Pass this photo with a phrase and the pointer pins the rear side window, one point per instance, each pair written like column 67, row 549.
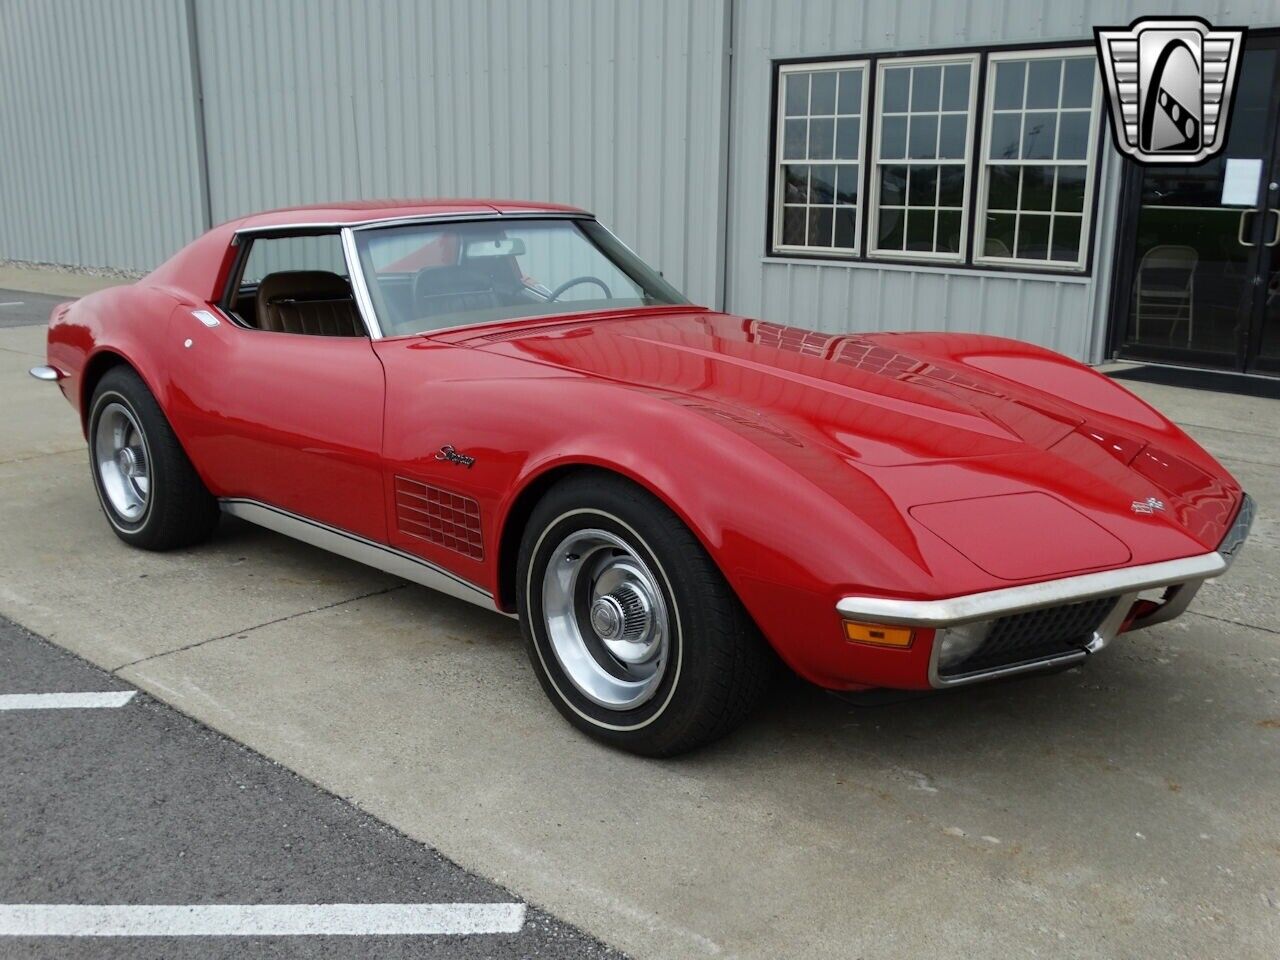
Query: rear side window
column 295, row 284
column 276, row 254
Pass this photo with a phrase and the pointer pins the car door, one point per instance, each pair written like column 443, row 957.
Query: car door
column 288, row 418
column 446, row 473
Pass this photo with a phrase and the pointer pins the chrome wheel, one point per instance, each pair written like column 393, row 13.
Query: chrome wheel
column 606, row 618
column 123, row 461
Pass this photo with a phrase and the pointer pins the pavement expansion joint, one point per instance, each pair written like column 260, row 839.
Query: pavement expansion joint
column 1238, row 623
column 26, row 457
column 115, row 671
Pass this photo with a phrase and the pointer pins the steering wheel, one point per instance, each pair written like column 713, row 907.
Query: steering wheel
column 555, row 294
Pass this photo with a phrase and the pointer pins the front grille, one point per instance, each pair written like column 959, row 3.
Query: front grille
column 1035, row 635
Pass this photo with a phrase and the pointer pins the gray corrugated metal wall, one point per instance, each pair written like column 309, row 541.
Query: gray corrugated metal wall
column 100, row 162
column 620, row 106
column 1066, row 314
column 611, row 106
column 616, row 107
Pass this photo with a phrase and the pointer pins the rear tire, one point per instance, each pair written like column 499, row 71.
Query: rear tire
column 634, row 633
column 150, row 492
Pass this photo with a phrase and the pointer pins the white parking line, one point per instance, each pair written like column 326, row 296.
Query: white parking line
column 262, row 920
column 65, row 701
column 12, row 303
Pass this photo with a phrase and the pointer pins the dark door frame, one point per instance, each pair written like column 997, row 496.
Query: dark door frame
column 1127, row 211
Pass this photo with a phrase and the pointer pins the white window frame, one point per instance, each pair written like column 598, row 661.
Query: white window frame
column 1090, row 162
column 779, row 189
column 874, row 163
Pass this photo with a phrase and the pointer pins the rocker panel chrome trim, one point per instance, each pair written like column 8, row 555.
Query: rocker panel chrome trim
column 353, row 547
column 999, row 603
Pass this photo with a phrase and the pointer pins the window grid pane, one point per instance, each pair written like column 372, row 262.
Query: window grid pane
column 1034, row 173
column 1040, row 123
column 819, row 167
column 921, row 174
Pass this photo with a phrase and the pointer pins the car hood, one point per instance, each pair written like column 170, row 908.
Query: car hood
column 905, row 401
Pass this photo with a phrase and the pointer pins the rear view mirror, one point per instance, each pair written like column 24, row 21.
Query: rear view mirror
column 510, row 247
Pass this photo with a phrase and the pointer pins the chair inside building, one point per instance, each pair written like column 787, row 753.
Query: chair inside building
column 1165, row 289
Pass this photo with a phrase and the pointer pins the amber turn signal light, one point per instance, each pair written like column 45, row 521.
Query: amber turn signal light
column 878, row 634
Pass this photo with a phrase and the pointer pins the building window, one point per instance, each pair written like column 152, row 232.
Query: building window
column 1008, row 183
column 819, row 149
column 1038, row 159
column 924, row 124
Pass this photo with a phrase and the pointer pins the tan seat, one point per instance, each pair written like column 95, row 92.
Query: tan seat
column 313, row 302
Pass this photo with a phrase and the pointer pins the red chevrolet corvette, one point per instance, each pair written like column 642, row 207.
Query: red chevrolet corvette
column 499, row 400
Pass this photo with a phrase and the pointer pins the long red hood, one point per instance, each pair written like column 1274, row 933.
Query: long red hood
column 1024, row 418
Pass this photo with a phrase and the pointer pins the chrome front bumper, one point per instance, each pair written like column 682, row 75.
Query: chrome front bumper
column 1181, row 579
column 1031, row 596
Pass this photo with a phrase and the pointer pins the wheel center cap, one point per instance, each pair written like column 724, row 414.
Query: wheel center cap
column 607, row 618
column 621, row 619
column 126, row 461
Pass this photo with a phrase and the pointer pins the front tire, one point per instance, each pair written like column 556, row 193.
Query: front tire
column 632, row 630
column 148, row 489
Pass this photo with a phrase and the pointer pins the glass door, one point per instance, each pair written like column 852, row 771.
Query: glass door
column 1262, row 353
column 1199, row 279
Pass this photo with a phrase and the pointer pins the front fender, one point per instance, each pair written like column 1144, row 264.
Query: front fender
column 792, row 524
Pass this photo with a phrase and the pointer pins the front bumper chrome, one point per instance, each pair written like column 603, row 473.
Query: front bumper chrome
column 1049, row 593
column 1181, row 579
column 1178, row 597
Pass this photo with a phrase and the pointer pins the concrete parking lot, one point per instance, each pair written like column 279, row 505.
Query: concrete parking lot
column 1123, row 809
column 18, row 308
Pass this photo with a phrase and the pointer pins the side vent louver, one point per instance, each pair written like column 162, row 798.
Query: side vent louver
column 439, row 516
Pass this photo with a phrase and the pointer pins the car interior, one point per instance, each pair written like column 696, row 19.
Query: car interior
column 292, row 285
column 427, row 278
column 314, row 302
column 479, row 273
column 318, row 302
column 438, row 295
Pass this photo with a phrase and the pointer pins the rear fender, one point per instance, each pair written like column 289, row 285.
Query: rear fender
column 125, row 324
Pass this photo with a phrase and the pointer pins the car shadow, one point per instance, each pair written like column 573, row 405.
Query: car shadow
column 1102, row 714
column 1100, row 717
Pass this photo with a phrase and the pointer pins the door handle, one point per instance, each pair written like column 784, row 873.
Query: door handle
column 1275, row 234
column 1244, row 219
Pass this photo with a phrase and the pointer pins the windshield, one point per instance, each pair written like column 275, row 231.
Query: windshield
column 430, row 276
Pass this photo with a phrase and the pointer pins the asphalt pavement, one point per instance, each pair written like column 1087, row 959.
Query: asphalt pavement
column 21, row 309
column 137, row 805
